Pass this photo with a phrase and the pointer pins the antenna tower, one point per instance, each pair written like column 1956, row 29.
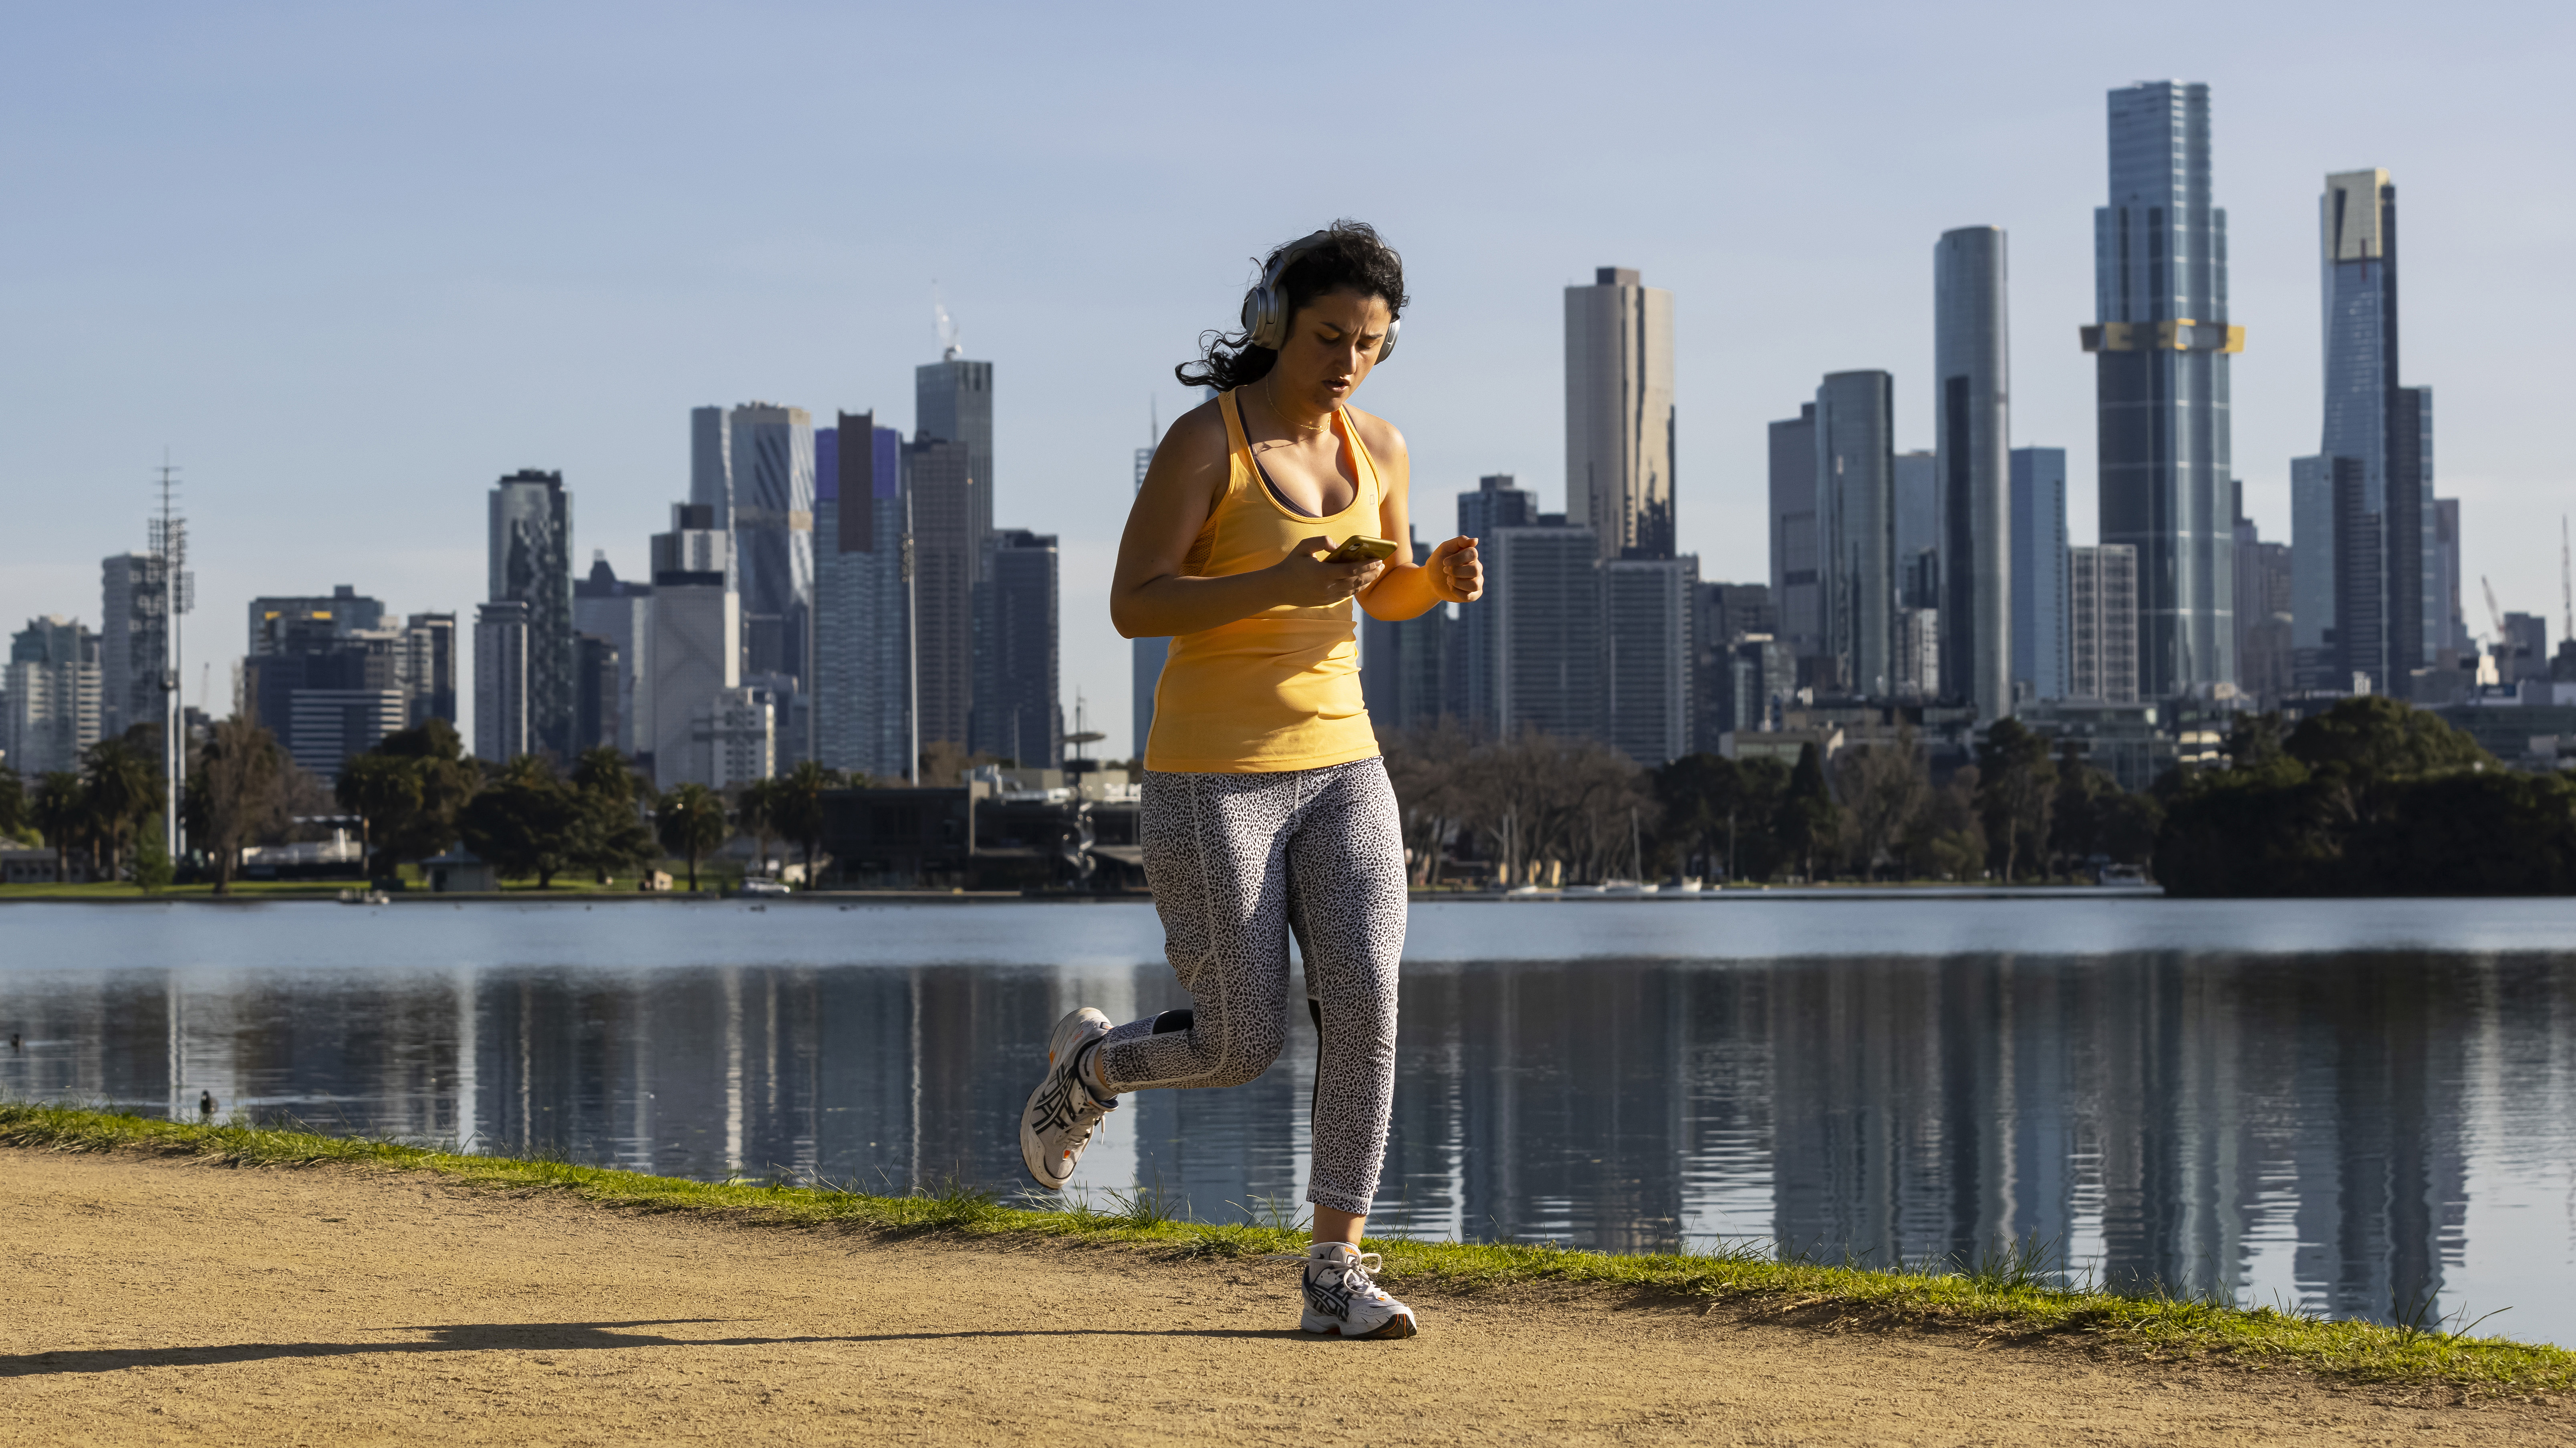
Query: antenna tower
column 2566, row 593
column 168, row 535
column 952, row 343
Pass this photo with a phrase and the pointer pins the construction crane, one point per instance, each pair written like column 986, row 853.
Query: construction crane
column 2566, row 594
column 2495, row 615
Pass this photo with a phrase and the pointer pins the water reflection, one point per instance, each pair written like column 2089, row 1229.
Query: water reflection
column 2346, row 1133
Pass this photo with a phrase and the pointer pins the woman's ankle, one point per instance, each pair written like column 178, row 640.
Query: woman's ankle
column 1088, row 1069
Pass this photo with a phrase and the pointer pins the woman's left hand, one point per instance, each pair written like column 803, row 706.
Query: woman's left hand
column 1456, row 573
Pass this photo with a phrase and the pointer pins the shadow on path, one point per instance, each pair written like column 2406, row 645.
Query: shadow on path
column 530, row 1337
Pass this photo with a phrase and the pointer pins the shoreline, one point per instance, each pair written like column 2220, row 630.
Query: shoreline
column 2012, row 1298
column 330, row 895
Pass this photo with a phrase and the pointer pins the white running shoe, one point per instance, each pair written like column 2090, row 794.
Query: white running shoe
column 1058, row 1121
column 1342, row 1298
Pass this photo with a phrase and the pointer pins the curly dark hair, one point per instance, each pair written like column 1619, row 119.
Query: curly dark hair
column 1351, row 257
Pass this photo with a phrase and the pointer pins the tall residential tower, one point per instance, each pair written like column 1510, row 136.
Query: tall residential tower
column 1619, row 414
column 531, row 562
column 1972, row 384
column 1855, row 485
column 2371, row 571
column 2161, row 342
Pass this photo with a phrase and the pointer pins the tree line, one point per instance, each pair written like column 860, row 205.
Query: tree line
column 413, row 796
column 1577, row 809
column 2370, row 798
column 107, row 813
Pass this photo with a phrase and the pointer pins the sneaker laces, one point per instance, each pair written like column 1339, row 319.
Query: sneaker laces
column 1362, row 1266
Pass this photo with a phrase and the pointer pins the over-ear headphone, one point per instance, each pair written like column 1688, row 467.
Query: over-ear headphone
column 1265, row 307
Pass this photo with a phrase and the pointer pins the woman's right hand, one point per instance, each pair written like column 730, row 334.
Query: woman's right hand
column 1307, row 581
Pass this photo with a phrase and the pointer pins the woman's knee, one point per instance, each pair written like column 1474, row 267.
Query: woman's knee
column 1239, row 1055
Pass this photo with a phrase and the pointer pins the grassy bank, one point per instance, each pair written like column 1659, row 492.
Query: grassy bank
column 2005, row 1298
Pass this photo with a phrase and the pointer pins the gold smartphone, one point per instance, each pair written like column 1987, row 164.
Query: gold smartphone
column 1360, row 548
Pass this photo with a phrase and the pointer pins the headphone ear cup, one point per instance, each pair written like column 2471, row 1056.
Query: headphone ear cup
column 1386, row 348
column 1262, row 323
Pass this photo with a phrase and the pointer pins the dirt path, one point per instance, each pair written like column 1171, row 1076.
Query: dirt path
column 154, row 1302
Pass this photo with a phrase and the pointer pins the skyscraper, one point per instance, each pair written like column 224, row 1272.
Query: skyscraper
column 133, row 641
column 620, row 610
column 1145, row 656
column 2263, row 602
column 1494, row 504
column 1404, row 665
column 2385, row 431
column 862, row 630
column 2313, row 654
column 503, row 723
column 1795, row 570
column 948, row 473
column 772, row 480
column 1918, row 529
column 2103, row 636
column 431, row 671
column 952, row 401
column 1619, row 414
column 328, row 676
column 52, row 708
column 1647, row 614
column 696, row 651
column 530, row 560
column 1547, row 629
column 1723, row 615
column 2039, row 580
column 2454, row 633
column 1018, row 710
column 1972, row 381
column 286, row 622
column 598, row 684
column 2161, row 341
column 1855, row 516
column 945, row 504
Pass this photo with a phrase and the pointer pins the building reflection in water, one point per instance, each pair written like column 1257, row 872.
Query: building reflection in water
column 2316, row 1131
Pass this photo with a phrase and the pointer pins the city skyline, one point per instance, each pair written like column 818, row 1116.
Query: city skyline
column 1475, row 388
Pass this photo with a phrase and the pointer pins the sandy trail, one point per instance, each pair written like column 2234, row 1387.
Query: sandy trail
column 151, row 1301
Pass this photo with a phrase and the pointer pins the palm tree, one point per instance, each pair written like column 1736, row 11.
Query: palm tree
column 796, row 807
column 60, row 812
column 691, row 822
column 121, row 789
column 13, row 803
column 755, row 810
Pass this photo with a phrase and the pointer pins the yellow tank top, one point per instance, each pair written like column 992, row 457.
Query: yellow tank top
column 1279, row 690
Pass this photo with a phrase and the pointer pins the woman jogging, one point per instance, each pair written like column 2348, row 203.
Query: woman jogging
column 1266, row 807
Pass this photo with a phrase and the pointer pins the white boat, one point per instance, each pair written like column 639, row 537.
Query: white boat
column 1572, row 890
column 1687, row 885
column 763, row 887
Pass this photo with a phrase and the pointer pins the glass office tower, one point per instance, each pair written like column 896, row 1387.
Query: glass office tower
column 1973, row 379
column 2161, row 343
column 1856, row 531
column 2040, row 584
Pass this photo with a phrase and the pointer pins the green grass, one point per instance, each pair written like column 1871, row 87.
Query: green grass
column 2010, row 1293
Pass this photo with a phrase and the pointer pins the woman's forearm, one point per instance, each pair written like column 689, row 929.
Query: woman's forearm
column 1405, row 590
column 1178, row 604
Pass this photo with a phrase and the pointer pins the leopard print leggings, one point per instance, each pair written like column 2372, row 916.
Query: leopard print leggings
column 1237, row 862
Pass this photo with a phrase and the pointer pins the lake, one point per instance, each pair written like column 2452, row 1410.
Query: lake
column 2354, row 1107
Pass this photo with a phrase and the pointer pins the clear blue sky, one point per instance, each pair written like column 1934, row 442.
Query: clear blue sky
column 351, row 263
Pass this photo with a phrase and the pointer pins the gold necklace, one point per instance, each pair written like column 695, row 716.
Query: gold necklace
column 1270, row 394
